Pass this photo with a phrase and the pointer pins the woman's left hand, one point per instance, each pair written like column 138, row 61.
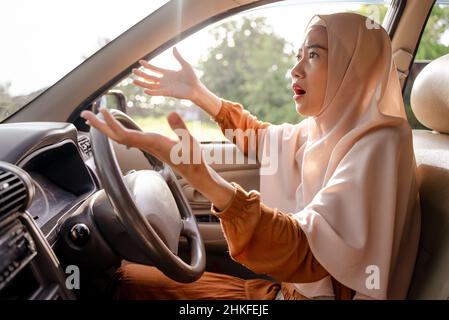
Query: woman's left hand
column 184, row 156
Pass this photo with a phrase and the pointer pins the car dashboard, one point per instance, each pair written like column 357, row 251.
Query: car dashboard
column 57, row 161
column 61, row 179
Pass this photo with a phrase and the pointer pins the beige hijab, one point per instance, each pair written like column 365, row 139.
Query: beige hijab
column 349, row 173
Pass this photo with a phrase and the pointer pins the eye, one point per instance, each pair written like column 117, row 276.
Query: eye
column 298, row 57
column 312, row 55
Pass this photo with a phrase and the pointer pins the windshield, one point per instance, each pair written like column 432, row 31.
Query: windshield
column 43, row 40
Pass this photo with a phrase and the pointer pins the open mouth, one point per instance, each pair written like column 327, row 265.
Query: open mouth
column 298, row 90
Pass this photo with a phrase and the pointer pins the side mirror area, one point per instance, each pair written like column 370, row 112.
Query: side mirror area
column 113, row 99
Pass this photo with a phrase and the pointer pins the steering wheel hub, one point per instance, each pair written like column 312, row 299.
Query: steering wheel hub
column 157, row 205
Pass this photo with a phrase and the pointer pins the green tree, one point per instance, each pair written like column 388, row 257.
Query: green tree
column 431, row 45
column 250, row 64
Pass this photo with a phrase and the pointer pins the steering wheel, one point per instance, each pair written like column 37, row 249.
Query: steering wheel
column 151, row 207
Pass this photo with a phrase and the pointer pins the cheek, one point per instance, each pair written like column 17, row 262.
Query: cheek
column 323, row 73
column 319, row 71
column 320, row 79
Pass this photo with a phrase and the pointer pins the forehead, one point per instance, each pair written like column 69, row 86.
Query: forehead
column 316, row 35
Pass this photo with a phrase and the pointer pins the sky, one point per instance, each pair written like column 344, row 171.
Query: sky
column 42, row 40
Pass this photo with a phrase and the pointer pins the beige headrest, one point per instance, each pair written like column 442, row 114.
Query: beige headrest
column 430, row 95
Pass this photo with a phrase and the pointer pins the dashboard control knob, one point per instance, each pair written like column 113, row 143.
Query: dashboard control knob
column 80, row 234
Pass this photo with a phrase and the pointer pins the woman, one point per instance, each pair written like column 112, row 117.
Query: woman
column 339, row 217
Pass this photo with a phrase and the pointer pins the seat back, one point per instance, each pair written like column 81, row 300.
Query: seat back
column 430, row 104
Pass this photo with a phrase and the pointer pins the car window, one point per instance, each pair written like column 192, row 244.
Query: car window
column 43, row 40
column 434, row 44
column 245, row 58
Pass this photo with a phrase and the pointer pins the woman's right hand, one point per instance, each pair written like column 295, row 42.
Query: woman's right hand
column 181, row 84
column 184, row 155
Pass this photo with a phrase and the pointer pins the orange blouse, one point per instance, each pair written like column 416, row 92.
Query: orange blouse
column 263, row 239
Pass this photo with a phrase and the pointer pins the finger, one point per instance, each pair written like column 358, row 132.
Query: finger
column 155, row 92
column 188, row 142
column 178, row 125
column 92, row 118
column 86, row 114
column 146, row 85
column 94, row 121
column 175, row 121
column 178, row 57
column 147, row 65
column 146, row 76
column 113, row 124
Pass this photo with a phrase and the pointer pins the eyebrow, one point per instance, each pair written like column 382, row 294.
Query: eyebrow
column 312, row 46
column 316, row 45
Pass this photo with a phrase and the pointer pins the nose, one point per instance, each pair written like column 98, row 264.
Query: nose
column 297, row 71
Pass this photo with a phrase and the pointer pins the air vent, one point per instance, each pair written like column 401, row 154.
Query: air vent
column 16, row 189
column 85, row 146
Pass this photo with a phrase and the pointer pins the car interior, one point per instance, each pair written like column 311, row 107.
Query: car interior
column 74, row 205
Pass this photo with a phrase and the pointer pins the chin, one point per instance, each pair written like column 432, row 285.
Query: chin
column 307, row 110
column 302, row 109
